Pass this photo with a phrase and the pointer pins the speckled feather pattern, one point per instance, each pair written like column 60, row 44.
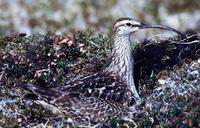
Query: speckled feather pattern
column 93, row 99
column 99, row 97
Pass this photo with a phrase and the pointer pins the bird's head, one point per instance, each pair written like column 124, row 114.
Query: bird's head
column 126, row 26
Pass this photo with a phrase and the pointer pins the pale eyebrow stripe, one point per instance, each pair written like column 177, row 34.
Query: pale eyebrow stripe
column 122, row 23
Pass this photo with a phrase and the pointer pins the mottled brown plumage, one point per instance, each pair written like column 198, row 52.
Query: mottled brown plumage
column 103, row 96
column 97, row 98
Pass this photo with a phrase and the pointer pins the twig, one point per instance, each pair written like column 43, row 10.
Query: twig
column 192, row 42
column 93, row 43
column 181, row 41
column 2, row 73
column 191, row 85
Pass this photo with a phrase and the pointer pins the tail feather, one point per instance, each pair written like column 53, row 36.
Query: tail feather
column 47, row 94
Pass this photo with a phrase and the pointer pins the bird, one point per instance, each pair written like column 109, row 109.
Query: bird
column 105, row 95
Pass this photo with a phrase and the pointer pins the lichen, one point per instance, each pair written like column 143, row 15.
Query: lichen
column 169, row 87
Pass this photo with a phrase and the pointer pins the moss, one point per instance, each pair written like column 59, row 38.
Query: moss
column 54, row 63
column 50, row 60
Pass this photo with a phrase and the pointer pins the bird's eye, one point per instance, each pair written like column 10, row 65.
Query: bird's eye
column 128, row 24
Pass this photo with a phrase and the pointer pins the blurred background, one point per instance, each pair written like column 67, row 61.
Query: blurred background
column 63, row 16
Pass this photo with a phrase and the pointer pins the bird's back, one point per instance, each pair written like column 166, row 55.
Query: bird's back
column 96, row 98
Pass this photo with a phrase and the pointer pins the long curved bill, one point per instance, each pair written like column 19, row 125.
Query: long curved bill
column 144, row 26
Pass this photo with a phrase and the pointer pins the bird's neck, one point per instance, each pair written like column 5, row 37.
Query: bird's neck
column 122, row 63
column 122, row 59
